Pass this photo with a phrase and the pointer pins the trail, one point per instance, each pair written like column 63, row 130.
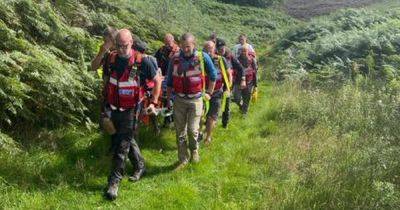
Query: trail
column 230, row 174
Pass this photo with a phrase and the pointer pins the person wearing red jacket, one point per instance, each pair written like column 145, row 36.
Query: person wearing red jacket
column 123, row 94
column 186, row 74
column 222, row 84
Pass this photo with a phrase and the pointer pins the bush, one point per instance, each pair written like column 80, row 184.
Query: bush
column 47, row 46
column 345, row 44
column 353, row 148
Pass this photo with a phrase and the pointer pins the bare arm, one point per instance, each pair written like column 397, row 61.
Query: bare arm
column 210, row 88
column 157, row 88
column 96, row 62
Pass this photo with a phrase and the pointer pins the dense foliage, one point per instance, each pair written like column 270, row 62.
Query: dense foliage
column 303, row 145
column 345, row 144
column 47, row 46
column 343, row 46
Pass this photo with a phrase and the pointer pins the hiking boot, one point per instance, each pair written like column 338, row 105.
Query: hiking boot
column 195, row 156
column 181, row 166
column 225, row 125
column 112, row 191
column 137, row 175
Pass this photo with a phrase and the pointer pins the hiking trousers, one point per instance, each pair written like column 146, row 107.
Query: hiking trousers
column 124, row 144
column 187, row 116
column 242, row 96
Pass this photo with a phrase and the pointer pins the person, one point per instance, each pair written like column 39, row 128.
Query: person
column 163, row 56
column 166, row 52
column 222, row 84
column 108, row 45
column 123, row 96
column 243, row 43
column 238, row 78
column 186, row 73
column 150, row 81
column 242, row 97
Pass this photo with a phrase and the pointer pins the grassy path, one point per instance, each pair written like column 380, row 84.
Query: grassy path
column 261, row 162
column 71, row 171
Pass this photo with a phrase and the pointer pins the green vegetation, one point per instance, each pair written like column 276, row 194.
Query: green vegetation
column 46, row 49
column 343, row 104
column 343, row 46
column 323, row 135
column 255, row 3
column 297, row 149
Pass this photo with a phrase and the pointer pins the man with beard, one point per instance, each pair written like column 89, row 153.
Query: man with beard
column 242, row 97
column 186, row 73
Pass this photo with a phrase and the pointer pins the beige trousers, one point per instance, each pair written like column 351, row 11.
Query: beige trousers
column 187, row 115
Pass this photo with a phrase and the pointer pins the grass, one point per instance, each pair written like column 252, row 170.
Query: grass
column 70, row 172
column 283, row 155
column 297, row 149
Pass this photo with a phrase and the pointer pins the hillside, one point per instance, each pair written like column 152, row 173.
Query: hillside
column 322, row 135
column 47, row 46
column 306, row 9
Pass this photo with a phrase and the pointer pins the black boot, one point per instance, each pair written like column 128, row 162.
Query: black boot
column 137, row 161
column 112, row 191
column 137, row 175
column 226, row 114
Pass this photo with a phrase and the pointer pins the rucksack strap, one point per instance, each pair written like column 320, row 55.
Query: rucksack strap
column 224, row 73
column 203, row 74
column 202, row 67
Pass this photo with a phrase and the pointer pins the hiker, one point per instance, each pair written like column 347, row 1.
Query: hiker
column 165, row 53
column 242, row 97
column 238, row 77
column 150, row 81
column 108, row 45
column 213, row 37
column 186, row 73
column 222, row 84
column 123, row 96
column 163, row 56
column 243, row 43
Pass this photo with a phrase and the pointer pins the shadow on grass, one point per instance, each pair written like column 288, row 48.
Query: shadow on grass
column 148, row 139
column 80, row 161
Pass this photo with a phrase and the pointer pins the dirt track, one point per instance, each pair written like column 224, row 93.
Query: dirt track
column 305, row 9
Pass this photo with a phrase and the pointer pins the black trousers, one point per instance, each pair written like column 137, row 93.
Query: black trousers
column 124, row 144
column 242, row 96
column 226, row 114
